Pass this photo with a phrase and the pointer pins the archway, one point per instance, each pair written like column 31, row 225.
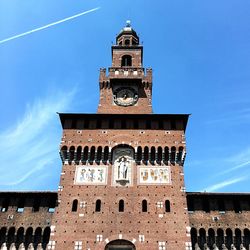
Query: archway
column 120, row 245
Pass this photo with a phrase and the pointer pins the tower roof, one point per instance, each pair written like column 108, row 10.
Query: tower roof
column 127, row 30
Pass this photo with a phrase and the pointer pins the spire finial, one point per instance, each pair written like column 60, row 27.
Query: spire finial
column 128, row 23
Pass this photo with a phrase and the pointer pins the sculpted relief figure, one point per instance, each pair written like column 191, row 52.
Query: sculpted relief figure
column 122, row 168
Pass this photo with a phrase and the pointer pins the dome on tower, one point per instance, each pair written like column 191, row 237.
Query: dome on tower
column 127, row 36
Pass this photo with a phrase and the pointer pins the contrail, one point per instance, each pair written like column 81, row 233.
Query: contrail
column 48, row 25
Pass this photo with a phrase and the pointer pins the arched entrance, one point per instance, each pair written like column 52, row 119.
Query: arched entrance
column 120, row 245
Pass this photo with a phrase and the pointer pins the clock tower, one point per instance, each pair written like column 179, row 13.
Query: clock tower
column 128, row 87
column 122, row 181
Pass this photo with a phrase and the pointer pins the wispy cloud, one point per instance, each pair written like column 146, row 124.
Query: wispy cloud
column 234, row 117
column 30, row 146
column 48, row 25
column 222, row 184
column 237, row 161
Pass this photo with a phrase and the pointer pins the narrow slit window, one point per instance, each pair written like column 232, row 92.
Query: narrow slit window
column 98, row 205
column 167, row 206
column 121, row 205
column 144, row 206
column 74, row 205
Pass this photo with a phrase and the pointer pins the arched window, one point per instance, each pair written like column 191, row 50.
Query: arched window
column 85, row 153
column 38, row 236
column 152, row 154
column 98, row 205
column 146, row 153
column 92, row 154
column 237, row 238
column 127, row 42
column 71, row 153
column 3, row 235
column 193, row 237
column 126, row 60
column 99, row 154
column 229, row 238
column 139, row 154
column 64, row 152
column 211, row 237
column 74, row 205
column 46, row 236
column 180, row 153
column 28, row 236
column 121, row 205
column 106, row 154
column 167, row 206
column 78, row 153
column 159, row 154
column 166, row 154
column 246, row 237
column 202, row 238
column 220, row 238
column 173, row 151
column 20, row 236
column 11, row 236
column 144, row 206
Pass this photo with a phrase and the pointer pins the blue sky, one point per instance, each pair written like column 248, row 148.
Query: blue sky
column 200, row 55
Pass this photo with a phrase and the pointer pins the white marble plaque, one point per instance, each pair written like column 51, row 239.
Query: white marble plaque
column 154, row 175
column 91, row 175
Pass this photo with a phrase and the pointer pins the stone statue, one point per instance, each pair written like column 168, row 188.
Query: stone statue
column 123, row 168
column 196, row 247
column 224, row 247
column 3, row 247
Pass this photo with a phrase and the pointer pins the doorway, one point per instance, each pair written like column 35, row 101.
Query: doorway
column 120, row 245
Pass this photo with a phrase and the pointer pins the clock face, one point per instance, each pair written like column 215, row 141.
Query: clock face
column 125, row 96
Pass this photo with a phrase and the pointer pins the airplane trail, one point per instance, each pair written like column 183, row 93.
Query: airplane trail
column 48, row 25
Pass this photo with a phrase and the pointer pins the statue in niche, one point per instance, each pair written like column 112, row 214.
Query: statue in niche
column 123, row 168
column 122, row 163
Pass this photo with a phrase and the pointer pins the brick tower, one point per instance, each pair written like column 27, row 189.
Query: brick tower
column 122, row 182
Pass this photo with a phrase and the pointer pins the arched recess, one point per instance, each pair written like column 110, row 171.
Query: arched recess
column 126, row 60
column 159, row 155
column 202, row 237
column 139, row 154
column 19, row 236
column 220, row 237
column 72, row 153
column 3, row 232
column 146, row 155
column 11, row 236
column 193, row 237
column 120, row 244
column 38, row 236
column 46, row 237
column 246, row 238
column 229, row 238
column 106, row 154
column 238, row 238
column 99, row 154
column 64, row 153
column 211, row 237
column 78, row 154
column 28, row 236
